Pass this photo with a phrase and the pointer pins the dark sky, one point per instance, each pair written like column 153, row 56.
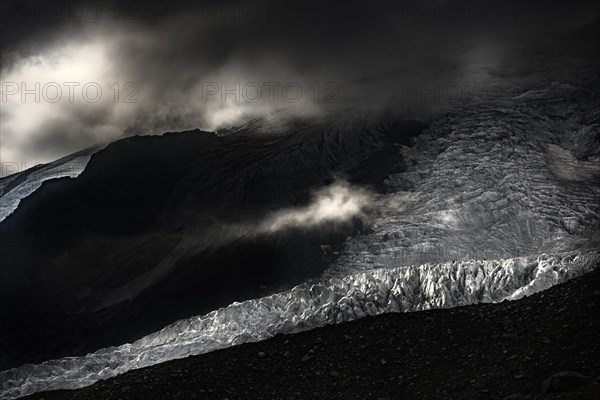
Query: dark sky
column 167, row 61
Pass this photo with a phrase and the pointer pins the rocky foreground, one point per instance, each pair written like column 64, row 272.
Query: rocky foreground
column 541, row 347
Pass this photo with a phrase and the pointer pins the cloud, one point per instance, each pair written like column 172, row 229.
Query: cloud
column 339, row 202
column 59, row 102
column 170, row 51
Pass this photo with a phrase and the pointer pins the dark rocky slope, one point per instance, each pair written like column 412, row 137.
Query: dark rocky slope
column 159, row 228
column 477, row 352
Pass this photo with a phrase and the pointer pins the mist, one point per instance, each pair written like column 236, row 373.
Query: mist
column 80, row 74
column 339, row 202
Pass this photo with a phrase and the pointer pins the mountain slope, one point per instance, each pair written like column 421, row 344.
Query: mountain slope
column 101, row 249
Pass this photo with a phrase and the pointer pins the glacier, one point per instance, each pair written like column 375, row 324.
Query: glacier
column 16, row 187
column 310, row 305
column 491, row 180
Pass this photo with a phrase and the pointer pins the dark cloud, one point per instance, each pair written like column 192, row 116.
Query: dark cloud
column 171, row 49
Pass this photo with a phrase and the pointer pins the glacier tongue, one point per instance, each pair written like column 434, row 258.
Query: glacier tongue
column 71, row 166
column 308, row 306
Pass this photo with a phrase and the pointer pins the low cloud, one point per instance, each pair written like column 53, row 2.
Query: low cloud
column 212, row 65
column 339, row 202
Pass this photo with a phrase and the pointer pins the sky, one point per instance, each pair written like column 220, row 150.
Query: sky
column 83, row 73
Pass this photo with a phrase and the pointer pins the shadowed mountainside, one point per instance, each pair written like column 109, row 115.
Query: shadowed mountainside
column 159, row 228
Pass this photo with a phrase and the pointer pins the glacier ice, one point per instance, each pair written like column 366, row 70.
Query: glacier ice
column 489, row 180
column 308, row 306
column 70, row 166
